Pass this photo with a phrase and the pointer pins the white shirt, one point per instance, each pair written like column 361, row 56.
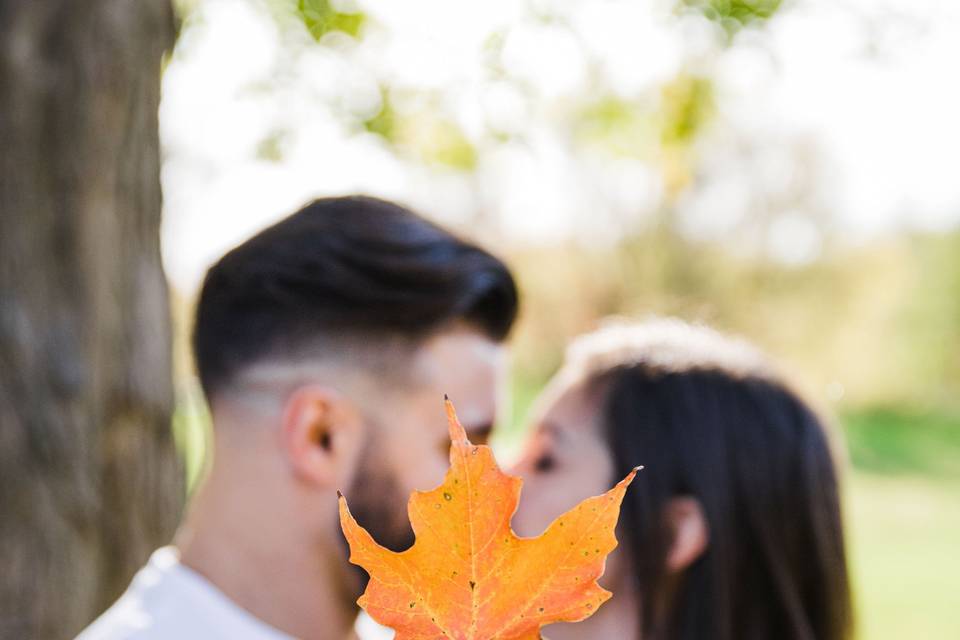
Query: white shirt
column 168, row 601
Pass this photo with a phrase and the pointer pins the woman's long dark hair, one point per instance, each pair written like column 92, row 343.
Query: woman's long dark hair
column 711, row 425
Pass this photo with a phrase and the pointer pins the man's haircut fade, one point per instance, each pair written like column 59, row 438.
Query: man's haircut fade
column 353, row 269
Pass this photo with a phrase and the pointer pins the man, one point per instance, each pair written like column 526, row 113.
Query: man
column 324, row 345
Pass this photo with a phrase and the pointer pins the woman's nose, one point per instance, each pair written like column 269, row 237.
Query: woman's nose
column 521, row 466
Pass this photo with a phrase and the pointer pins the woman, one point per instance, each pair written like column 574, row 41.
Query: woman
column 733, row 530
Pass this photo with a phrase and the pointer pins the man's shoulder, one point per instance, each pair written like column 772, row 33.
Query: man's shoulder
column 169, row 600
column 133, row 618
column 154, row 606
column 142, row 616
column 128, row 619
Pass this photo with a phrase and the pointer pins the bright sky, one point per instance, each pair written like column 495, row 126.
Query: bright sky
column 865, row 89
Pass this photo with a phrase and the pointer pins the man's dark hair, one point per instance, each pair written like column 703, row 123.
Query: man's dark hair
column 344, row 269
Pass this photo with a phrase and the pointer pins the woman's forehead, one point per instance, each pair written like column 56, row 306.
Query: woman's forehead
column 567, row 403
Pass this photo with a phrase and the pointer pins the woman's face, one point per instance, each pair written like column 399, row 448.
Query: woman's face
column 565, row 459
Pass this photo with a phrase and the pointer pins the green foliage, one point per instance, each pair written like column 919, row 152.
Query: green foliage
column 448, row 146
column 423, row 135
column 320, row 18
column 661, row 132
column 622, row 127
column 734, row 15
column 686, row 106
column 271, row 147
column 631, row 128
column 895, row 441
column 384, row 122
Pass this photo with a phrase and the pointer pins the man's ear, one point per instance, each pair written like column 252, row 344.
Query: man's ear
column 690, row 531
column 321, row 434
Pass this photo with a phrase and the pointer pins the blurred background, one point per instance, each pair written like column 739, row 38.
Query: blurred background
column 782, row 170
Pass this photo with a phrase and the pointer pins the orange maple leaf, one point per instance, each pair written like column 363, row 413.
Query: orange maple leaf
column 468, row 576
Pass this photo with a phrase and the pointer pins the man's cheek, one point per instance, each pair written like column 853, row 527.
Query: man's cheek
column 430, row 472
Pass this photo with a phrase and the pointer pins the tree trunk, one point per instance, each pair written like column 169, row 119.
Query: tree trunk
column 90, row 481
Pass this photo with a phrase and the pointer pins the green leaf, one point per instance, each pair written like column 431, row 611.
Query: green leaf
column 734, row 15
column 687, row 104
column 320, row 18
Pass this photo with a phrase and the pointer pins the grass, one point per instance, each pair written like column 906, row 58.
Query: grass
column 903, row 517
column 904, row 541
column 902, row 443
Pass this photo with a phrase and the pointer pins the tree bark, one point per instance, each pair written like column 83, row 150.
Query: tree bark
column 90, row 481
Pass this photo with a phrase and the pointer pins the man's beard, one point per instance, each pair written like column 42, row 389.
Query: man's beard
column 378, row 504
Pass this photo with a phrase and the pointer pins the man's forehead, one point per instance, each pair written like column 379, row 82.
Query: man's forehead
column 463, row 353
column 468, row 367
